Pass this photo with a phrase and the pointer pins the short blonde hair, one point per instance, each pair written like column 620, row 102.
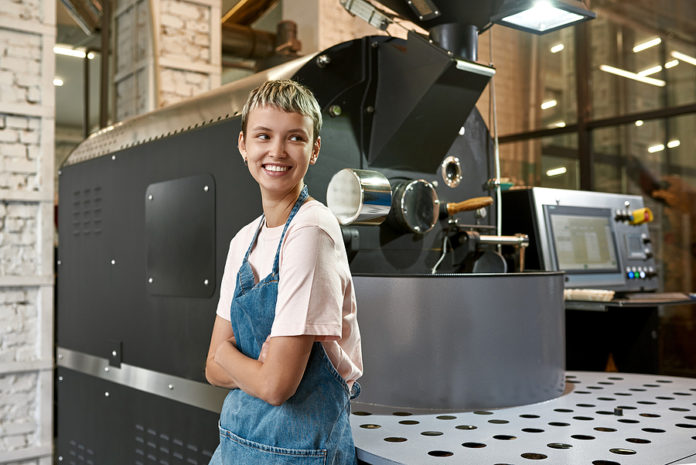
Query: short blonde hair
column 286, row 95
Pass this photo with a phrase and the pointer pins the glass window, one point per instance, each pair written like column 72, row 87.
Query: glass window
column 545, row 162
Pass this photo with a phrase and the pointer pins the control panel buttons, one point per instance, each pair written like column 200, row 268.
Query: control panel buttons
column 640, row 216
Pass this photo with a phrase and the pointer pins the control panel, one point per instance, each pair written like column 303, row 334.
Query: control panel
column 600, row 240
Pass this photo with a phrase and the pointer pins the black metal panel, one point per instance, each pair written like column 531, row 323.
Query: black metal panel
column 102, row 423
column 102, row 287
column 180, row 236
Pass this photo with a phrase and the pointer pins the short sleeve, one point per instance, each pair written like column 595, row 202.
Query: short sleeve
column 310, row 288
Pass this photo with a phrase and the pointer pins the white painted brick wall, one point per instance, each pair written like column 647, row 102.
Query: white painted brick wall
column 20, row 66
column 177, row 85
column 184, row 31
column 26, row 169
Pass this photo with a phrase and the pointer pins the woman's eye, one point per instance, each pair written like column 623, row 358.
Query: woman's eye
column 296, row 138
column 262, row 136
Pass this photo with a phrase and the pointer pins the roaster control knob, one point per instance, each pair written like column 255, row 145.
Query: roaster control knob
column 650, row 273
column 645, row 238
column 648, row 253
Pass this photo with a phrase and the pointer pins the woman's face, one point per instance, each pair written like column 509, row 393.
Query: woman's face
column 279, row 148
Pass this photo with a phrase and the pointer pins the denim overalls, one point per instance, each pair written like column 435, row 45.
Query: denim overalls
column 310, row 428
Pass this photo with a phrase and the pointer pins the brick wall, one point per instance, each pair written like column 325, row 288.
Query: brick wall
column 27, row 36
column 180, row 60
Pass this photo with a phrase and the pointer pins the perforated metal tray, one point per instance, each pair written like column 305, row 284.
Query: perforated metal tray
column 601, row 419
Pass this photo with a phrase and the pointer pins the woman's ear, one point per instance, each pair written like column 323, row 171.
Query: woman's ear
column 241, row 145
column 315, row 151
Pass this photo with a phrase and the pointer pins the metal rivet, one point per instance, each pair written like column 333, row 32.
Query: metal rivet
column 171, row 387
column 462, row 130
column 114, row 353
column 60, row 172
column 59, row 262
column 60, row 356
column 113, row 157
column 149, row 280
column 106, row 394
column 205, row 188
column 435, row 183
column 149, row 197
column 335, row 110
column 60, row 379
column 60, row 458
column 106, row 369
column 205, row 281
column 370, row 109
column 113, row 262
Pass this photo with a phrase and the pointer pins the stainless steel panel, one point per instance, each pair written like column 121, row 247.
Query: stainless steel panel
column 175, row 388
column 461, row 341
column 217, row 104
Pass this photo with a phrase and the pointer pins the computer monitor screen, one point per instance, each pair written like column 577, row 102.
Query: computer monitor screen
column 582, row 239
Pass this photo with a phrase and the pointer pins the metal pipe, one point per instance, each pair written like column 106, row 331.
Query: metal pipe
column 519, row 240
column 104, row 78
column 245, row 42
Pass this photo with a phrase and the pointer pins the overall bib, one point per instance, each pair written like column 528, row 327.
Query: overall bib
column 310, row 428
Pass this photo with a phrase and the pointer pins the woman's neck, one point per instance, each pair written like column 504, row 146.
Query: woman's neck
column 277, row 209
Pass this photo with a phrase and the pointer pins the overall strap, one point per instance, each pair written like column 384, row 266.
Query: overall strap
column 303, row 196
column 253, row 241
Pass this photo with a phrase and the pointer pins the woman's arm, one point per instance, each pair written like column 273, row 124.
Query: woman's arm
column 214, row 373
column 275, row 377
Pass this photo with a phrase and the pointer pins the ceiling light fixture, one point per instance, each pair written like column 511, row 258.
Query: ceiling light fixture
column 647, row 44
column 673, row 143
column 656, row 148
column 634, row 76
column 651, row 70
column 557, row 171
column 67, row 50
column 557, row 48
column 58, row 82
column 680, row 56
column 639, row 123
column 671, row 64
column 548, row 104
column 541, row 16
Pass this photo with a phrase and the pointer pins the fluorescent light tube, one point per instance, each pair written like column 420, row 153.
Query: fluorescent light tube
column 557, row 171
column 673, row 143
column 557, row 48
column 57, row 81
column 649, row 71
column 647, row 44
column 671, row 64
column 634, row 76
column 686, row 58
column 656, row 148
column 548, row 104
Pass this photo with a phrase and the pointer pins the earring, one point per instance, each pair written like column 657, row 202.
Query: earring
column 246, row 162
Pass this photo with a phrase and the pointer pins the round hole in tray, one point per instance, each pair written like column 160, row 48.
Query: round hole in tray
column 466, row 427
column 533, row 456
column 395, row 439
column 446, row 417
column 606, row 398
column 653, row 430
column 563, row 410
column 440, row 453
column 681, row 409
column 627, row 420
column 474, row 445
column 582, row 437
column 627, row 407
column 651, row 385
column 622, row 451
column 649, row 415
column 604, row 429
column 402, row 414
column 646, row 402
column 604, row 412
column 409, row 422
column 638, row 441
column 586, row 405
column 624, row 394
column 580, row 417
column 370, row 426
column 688, row 417
column 664, row 397
column 431, row 433
column 582, row 392
column 595, row 387
column 663, row 381
column 604, row 462
column 615, row 378
column 361, row 413
column 483, row 412
column 498, row 422
column 637, row 389
column 559, row 423
column 504, row 437
column 682, row 393
column 685, row 425
column 532, row 430
column 559, row 445
column 529, row 415
column 606, row 383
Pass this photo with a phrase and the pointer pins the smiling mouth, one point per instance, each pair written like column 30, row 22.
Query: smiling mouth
column 276, row 168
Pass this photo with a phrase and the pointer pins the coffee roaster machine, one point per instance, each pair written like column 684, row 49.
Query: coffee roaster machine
column 148, row 208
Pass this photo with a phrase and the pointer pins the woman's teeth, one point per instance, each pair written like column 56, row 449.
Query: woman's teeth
column 276, row 168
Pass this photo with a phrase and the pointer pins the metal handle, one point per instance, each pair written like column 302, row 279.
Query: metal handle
column 468, row 205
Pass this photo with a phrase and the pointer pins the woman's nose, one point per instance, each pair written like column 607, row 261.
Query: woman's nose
column 277, row 148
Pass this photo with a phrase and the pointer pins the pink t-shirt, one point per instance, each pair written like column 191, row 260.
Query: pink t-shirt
column 315, row 288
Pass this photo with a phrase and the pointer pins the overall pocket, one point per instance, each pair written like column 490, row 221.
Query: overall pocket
column 239, row 451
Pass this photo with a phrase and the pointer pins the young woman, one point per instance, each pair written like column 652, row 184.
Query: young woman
column 286, row 339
